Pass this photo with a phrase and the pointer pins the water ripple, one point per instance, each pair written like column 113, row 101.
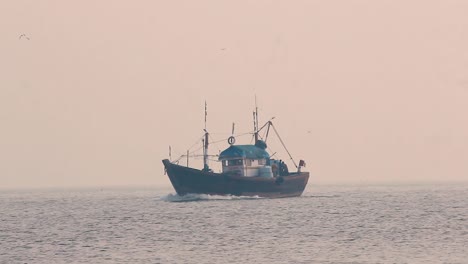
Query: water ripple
column 329, row 224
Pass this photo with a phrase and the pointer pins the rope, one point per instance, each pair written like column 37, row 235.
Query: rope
column 214, row 142
column 240, row 135
column 194, row 144
column 274, row 128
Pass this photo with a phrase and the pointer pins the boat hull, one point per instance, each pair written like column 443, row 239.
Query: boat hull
column 188, row 180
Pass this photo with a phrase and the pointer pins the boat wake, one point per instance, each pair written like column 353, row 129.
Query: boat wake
column 319, row 196
column 192, row 197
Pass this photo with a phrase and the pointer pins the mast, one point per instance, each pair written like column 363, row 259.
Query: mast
column 205, row 151
column 255, row 127
column 205, row 144
column 255, row 116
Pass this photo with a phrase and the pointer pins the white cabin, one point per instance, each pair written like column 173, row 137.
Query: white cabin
column 246, row 160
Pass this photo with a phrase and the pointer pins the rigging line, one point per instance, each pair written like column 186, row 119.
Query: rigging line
column 177, row 160
column 271, row 150
column 197, row 142
column 278, row 155
column 194, row 151
column 201, row 155
column 264, row 134
column 230, row 134
column 243, row 134
column 175, row 153
column 260, row 136
column 239, row 135
column 214, row 142
column 191, row 152
column 199, row 148
column 276, row 132
column 265, row 125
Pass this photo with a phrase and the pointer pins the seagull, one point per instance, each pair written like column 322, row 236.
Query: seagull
column 23, row 36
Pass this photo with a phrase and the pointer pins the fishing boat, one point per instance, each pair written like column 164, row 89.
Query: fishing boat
column 247, row 170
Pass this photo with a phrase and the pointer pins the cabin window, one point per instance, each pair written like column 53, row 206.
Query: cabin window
column 248, row 162
column 236, row 162
column 224, row 163
column 261, row 162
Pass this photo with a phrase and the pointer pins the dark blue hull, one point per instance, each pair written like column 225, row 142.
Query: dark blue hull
column 188, row 180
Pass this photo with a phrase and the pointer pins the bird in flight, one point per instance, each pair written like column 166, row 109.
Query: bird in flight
column 23, row 36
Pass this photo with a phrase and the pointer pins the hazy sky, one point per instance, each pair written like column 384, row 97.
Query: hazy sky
column 364, row 91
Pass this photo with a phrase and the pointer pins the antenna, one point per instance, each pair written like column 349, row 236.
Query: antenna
column 256, row 110
column 206, row 113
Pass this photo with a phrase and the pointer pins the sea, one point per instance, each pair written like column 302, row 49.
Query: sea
column 418, row 223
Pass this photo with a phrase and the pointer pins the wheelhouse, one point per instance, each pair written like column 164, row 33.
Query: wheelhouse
column 246, row 160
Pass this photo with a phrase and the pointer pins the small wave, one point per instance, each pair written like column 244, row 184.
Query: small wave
column 320, row 196
column 192, row 197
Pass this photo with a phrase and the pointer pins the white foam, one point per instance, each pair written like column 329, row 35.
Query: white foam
column 190, row 197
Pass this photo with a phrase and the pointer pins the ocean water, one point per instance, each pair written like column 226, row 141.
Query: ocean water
column 328, row 224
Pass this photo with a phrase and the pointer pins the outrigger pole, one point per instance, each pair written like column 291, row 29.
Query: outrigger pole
column 276, row 132
column 270, row 124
